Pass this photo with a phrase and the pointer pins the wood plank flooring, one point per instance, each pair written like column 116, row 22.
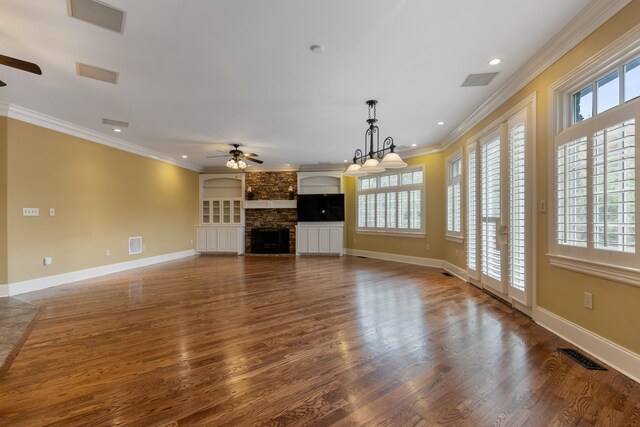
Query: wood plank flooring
column 274, row 341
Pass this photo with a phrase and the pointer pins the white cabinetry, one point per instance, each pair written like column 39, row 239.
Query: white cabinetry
column 221, row 214
column 220, row 239
column 319, row 238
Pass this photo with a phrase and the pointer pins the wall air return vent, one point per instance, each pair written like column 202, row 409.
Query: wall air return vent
column 478, row 79
column 97, row 13
column 135, row 245
column 96, row 73
column 116, row 123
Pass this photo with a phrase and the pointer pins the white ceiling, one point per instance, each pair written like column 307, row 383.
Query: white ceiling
column 197, row 75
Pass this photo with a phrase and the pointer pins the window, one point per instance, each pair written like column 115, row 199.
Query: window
column 595, row 179
column 392, row 202
column 454, row 198
column 607, row 92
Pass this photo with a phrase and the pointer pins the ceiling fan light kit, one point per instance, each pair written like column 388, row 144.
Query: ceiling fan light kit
column 238, row 157
column 370, row 159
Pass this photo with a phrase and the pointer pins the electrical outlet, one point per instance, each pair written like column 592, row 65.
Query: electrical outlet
column 427, row 246
column 107, row 252
column 47, row 260
column 588, row 300
column 52, row 211
column 30, row 211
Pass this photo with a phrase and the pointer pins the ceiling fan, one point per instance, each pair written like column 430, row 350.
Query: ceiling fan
column 20, row 65
column 238, row 157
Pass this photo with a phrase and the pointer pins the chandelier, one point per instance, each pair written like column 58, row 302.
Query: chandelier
column 365, row 162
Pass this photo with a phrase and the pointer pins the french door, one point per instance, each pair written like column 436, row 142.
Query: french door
column 498, row 215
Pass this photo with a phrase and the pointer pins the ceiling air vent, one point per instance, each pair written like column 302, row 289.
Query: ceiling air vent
column 482, row 79
column 96, row 73
column 97, row 13
column 115, row 123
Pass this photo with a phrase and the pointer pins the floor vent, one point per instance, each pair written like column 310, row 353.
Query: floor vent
column 582, row 359
column 446, row 273
column 363, row 257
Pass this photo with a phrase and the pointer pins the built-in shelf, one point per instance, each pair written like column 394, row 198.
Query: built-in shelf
column 270, row 204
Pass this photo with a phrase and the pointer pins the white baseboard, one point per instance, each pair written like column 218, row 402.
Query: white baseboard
column 89, row 273
column 427, row 262
column 455, row 270
column 619, row 358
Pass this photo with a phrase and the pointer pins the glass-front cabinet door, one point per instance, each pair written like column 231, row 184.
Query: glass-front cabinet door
column 206, row 212
column 221, row 211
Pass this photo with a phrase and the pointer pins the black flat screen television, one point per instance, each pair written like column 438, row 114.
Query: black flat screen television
column 320, row 207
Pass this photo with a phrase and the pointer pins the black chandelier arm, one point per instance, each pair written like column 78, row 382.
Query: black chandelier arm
column 358, row 156
column 388, row 144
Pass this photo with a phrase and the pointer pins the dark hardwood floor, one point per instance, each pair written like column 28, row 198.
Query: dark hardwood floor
column 221, row 340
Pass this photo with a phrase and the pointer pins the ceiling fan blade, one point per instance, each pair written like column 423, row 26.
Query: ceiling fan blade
column 2, row 83
column 253, row 160
column 20, row 64
column 219, row 155
column 251, row 154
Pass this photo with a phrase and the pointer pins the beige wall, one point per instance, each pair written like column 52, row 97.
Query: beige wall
column 102, row 196
column 3, row 200
column 411, row 246
column 615, row 313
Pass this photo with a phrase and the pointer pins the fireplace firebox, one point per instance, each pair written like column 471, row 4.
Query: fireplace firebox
column 270, row 241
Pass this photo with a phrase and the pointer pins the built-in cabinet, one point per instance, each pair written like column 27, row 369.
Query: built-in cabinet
column 221, row 211
column 220, row 239
column 221, row 226
column 319, row 238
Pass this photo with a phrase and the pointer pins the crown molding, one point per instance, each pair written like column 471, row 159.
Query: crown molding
column 33, row 117
column 588, row 20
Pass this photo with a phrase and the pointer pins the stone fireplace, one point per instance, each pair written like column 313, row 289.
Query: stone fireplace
column 267, row 186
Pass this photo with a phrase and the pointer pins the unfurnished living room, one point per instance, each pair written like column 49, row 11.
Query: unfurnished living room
column 301, row 213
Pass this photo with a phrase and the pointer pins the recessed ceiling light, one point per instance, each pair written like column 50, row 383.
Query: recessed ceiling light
column 184, row 156
column 414, row 145
column 345, row 161
column 316, row 48
column 495, row 61
column 117, row 130
column 440, row 123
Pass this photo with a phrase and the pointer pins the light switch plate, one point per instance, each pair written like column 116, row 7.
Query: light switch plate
column 30, row 211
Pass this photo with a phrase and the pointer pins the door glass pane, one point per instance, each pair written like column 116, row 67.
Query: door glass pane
column 583, row 104
column 490, row 210
column 608, row 91
column 632, row 79
column 471, row 211
column 517, row 207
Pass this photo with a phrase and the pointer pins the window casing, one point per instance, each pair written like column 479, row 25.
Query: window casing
column 454, row 196
column 594, row 226
column 391, row 202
